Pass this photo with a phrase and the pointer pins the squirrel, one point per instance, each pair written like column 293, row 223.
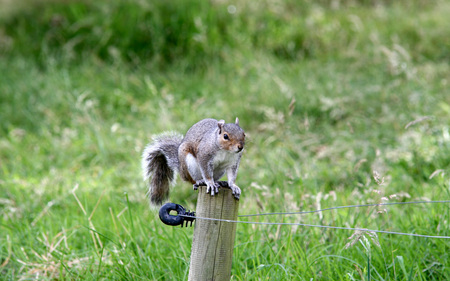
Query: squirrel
column 209, row 149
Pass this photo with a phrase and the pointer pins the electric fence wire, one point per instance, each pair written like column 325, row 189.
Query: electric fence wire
column 334, row 227
column 346, row 207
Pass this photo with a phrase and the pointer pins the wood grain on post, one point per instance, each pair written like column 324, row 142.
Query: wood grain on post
column 213, row 242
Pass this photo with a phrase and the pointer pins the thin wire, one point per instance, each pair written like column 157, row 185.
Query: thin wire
column 345, row 207
column 321, row 226
column 333, row 227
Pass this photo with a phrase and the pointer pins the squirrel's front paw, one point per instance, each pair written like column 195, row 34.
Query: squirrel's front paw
column 212, row 188
column 236, row 191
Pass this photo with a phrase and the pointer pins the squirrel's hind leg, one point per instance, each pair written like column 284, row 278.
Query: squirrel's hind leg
column 199, row 183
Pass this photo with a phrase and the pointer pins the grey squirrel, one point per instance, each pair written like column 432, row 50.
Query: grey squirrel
column 209, row 149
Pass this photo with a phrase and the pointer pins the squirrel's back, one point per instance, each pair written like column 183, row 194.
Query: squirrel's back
column 199, row 130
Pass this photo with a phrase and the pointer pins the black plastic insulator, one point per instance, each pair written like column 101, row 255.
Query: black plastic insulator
column 179, row 219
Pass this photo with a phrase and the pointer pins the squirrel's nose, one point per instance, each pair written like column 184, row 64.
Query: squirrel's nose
column 240, row 147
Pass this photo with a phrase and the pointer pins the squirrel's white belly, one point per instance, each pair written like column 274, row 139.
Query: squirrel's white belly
column 224, row 159
column 221, row 162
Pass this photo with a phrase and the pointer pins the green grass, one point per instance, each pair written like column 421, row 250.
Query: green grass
column 323, row 91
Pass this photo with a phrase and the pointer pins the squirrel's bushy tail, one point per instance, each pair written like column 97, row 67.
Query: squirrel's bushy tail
column 160, row 164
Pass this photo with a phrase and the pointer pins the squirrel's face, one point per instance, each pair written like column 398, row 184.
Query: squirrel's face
column 231, row 138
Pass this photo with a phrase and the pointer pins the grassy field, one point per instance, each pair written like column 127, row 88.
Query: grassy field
column 343, row 102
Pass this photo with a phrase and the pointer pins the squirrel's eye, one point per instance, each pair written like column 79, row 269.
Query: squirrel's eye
column 225, row 136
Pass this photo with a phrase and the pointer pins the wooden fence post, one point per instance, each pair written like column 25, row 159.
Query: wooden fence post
column 213, row 242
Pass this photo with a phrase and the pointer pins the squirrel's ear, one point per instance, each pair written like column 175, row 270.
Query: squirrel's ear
column 220, row 125
column 237, row 121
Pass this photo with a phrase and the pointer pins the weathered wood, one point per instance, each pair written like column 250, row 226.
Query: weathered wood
column 213, row 242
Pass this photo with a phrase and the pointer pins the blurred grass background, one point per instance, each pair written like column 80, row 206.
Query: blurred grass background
column 326, row 91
